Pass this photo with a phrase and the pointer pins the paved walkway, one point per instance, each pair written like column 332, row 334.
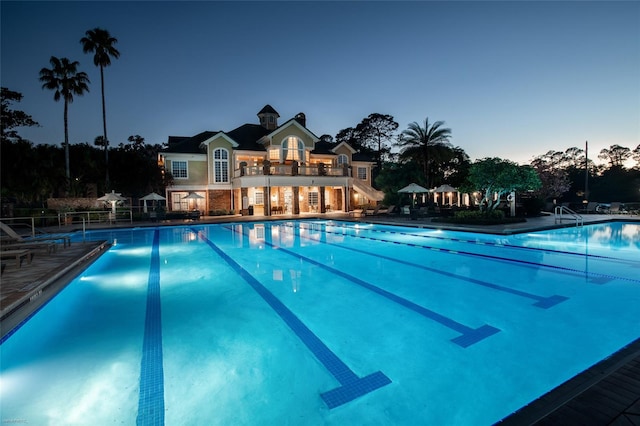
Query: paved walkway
column 608, row 393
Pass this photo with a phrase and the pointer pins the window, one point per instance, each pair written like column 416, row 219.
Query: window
column 259, row 197
column 221, row 165
column 362, row 173
column 293, row 149
column 274, row 154
column 179, row 169
column 313, row 198
column 343, row 159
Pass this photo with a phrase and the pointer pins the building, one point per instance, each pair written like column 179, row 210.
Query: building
column 266, row 169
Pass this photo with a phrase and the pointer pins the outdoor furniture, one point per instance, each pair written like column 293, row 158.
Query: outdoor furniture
column 372, row 212
column 17, row 238
column 590, row 207
column 356, row 213
column 17, row 255
column 617, row 208
column 387, row 210
column 49, row 246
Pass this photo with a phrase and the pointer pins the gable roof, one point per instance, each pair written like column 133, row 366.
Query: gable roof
column 250, row 137
column 296, row 123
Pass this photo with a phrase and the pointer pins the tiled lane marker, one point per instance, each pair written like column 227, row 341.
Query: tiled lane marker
column 487, row 243
column 151, row 400
column 468, row 336
column 541, row 302
column 594, row 277
column 352, row 386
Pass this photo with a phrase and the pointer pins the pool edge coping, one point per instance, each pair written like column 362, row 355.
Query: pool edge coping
column 19, row 311
column 570, row 389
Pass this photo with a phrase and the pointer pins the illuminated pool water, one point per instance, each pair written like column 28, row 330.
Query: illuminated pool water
column 322, row 322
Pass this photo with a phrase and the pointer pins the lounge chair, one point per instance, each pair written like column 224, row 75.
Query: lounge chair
column 387, row 210
column 617, row 208
column 372, row 212
column 590, row 208
column 48, row 246
column 356, row 213
column 17, row 238
column 17, row 255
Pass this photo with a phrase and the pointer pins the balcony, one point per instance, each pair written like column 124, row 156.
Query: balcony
column 293, row 170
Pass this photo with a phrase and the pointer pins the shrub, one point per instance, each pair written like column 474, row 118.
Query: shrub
column 220, row 212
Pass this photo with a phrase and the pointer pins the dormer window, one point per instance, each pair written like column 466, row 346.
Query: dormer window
column 293, row 149
column 343, row 159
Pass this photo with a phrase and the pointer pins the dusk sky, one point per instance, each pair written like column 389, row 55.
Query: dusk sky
column 511, row 79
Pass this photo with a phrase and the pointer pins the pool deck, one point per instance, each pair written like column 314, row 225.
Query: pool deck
column 607, row 393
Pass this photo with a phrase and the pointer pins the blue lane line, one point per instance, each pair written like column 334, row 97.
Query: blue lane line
column 594, row 277
column 352, row 386
column 469, row 335
column 490, row 243
column 541, row 302
column 151, row 399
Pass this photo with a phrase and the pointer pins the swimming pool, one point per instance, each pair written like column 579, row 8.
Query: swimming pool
column 322, row 322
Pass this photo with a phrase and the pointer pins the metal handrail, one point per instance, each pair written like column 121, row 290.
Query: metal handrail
column 559, row 210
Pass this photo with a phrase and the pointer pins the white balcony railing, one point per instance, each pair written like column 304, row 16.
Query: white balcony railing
column 288, row 170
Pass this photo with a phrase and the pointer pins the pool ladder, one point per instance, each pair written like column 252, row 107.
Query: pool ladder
column 559, row 210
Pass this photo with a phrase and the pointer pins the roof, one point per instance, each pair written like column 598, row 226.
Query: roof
column 248, row 135
column 268, row 109
column 190, row 145
column 323, row 147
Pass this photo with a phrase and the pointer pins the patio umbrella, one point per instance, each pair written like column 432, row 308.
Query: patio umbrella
column 446, row 188
column 193, row 196
column 151, row 197
column 413, row 188
column 113, row 198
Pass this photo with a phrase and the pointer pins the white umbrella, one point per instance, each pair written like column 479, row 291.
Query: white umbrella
column 446, row 188
column 151, row 197
column 413, row 188
column 193, row 196
column 113, row 198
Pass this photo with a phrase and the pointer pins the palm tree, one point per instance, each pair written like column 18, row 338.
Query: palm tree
column 416, row 142
column 66, row 80
column 100, row 42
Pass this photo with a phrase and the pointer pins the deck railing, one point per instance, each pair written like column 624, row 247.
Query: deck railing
column 292, row 170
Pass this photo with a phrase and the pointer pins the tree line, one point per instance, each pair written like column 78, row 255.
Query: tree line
column 424, row 154
column 421, row 153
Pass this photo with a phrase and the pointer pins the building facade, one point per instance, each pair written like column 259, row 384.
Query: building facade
column 266, row 169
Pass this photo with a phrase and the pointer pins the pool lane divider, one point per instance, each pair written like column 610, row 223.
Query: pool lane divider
column 468, row 336
column 489, row 243
column 151, row 398
column 351, row 386
column 540, row 301
column 594, row 277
